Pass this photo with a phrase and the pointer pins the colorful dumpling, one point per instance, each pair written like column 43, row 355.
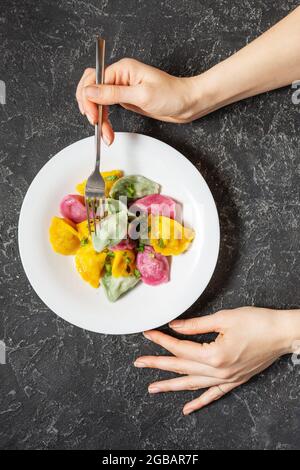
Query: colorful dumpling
column 157, row 204
column 72, row 207
column 113, row 206
column 169, row 237
column 64, row 237
column 110, row 231
column 133, row 187
column 114, row 287
column 153, row 267
column 90, row 264
column 126, row 244
column 83, row 229
column 110, row 177
column 123, row 263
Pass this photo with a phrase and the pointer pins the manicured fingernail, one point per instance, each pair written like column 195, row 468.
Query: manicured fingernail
column 146, row 334
column 106, row 140
column 91, row 120
column 176, row 324
column 91, row 92
column 187, row 411
column 139, row 364
column 153, row 389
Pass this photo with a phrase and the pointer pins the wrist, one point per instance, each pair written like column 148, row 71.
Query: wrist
column 219, row 86
column 206, row 94
column 288, row 328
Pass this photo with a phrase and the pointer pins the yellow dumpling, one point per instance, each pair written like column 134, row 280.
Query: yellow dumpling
column 64, row 237
column 169, row 237
column 110, row 177
column 123, row 263
column 83, row 229
column 90, row 264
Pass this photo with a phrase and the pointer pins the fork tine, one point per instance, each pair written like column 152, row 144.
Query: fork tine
column 94, row 213
column 101, row 211
column 87, row 206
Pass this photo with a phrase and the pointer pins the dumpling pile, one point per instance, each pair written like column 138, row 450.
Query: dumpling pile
column 134, row 241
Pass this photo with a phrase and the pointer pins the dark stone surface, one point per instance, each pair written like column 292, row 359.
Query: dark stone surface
column 67, row 388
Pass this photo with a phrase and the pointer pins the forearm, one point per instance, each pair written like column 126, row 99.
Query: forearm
column 271, row 61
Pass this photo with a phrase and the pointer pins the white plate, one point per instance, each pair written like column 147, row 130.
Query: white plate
column 54, row 277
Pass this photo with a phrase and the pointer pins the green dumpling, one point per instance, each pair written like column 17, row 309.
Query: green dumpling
column 114, row 206
column 111, row 231
column 114, row 287
column 133, row 187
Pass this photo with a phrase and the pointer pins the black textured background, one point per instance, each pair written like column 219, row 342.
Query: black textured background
column 68, row 388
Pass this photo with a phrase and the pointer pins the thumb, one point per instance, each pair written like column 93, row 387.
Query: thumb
column 113, row 94
column 193, row 326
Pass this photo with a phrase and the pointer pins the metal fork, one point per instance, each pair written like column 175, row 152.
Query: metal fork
column 95, row 186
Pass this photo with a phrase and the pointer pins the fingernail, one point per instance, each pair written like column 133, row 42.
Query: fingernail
column 176, row 324
column 139, row 364
column 187, row 411
column 106, row 140
column 146, row 334
column 91, row 120
column 153, row 389
column 91, row 92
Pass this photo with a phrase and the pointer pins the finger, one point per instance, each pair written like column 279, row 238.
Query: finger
column 202, row 353
column 108, row 134
column 89, row 75
column 205, row 324
column 189, row 382
column 114, row 94
column 90, row 109
column 212, row 394
column 81, row 108
column 171, row 364
column 79, row 85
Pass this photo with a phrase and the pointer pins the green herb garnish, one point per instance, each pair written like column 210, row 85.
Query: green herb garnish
column 110, row 254
column 84, row 241
column 130, row 191
column 111, row 178
column 137, row 273
column 161, row 243
column 108, row 268
column 141, row 248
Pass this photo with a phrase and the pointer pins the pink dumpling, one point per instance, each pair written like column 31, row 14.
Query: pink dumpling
column 125, row 244
column 157, row 204
column 154, row 267
column 72, row 207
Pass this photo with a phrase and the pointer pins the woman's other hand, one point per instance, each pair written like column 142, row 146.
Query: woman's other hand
column 249, row 340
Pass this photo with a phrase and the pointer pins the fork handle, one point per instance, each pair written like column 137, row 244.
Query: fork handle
column 100, row 56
